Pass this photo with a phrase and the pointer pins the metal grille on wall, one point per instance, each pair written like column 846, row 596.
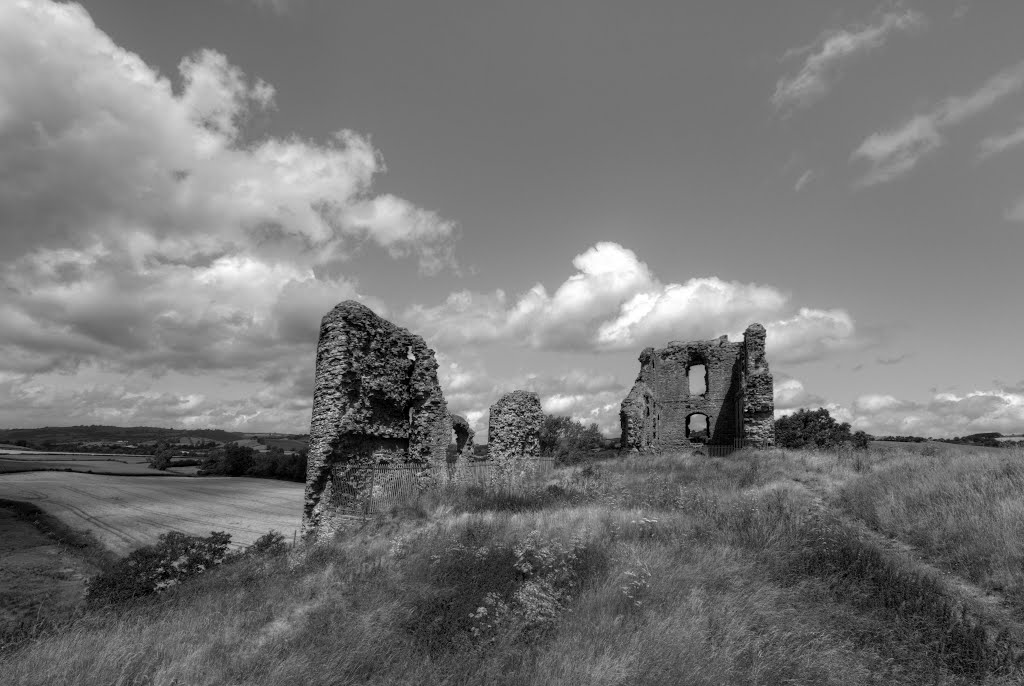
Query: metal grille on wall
column 391, row 485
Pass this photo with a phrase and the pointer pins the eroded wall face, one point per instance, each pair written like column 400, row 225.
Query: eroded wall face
column 376, row 400
column 759, row 390
column 667, row 375
column 513, row 433
column 737, row 400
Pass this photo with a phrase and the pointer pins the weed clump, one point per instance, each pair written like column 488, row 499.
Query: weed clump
column 482, row 589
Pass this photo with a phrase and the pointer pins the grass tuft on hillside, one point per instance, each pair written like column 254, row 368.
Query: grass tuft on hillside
column 760, row 568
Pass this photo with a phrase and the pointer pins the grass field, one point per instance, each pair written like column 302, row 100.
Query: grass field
column 41, row 576
column 79, row 462
column 125, row 512
column 761, row 568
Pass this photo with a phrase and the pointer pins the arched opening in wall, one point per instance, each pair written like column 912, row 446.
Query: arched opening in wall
column 697, row 429
column 697, row 376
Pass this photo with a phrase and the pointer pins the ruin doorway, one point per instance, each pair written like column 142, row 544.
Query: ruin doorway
column 698, row 428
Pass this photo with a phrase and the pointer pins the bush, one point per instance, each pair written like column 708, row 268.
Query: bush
column 483, row 589
column 174, row 558
column 815, row 429
column 270, row 544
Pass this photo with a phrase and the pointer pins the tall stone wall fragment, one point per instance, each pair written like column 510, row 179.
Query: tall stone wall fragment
column 513, row 433
column 737, row 398
column 376, row 400
column 758, row 390
column 464, row 435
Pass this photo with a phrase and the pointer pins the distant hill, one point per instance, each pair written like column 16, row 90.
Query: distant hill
column 106, row 434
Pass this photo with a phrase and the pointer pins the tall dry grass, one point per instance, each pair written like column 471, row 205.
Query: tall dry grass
column 649, row 570
column 965, row 510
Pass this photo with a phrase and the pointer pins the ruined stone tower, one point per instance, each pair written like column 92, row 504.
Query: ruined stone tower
column 376, row 401
column 737, row 399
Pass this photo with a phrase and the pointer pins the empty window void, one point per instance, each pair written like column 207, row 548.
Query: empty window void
column 698, row 378
column 697, row 428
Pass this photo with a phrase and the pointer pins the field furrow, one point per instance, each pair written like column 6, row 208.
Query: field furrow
column 126, row 512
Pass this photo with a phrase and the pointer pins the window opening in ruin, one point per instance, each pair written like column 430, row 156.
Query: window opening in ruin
column 698, row 377
column 697, row 429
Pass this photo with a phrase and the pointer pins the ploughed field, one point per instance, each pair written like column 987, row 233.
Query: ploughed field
column 125, row 512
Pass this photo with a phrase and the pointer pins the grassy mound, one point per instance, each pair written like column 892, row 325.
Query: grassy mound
column 752, row 569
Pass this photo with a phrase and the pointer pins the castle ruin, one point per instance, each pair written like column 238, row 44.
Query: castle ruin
column 376, row 401
column 735, row 400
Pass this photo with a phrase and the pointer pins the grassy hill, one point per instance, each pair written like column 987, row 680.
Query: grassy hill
column 769, row 568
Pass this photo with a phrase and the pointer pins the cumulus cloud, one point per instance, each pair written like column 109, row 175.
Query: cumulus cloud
column 143, row 228
column 830, row 51
column 994, row 145
column 46, row 402
column 895, row 152
column 944, row 415
column 613, row 302
column 583, row 394
column 804, row 179
column 790, row 395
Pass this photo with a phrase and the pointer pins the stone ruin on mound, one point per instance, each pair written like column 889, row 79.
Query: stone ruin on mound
column 513, row 433
column 737, row 401
column 376, row 401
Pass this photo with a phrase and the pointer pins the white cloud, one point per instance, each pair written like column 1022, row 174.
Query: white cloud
column 49, row 403
column 277, row 6
column 895, row 152
column 582, row 394
column 790, row 394
column 945, row 415
column 804, row 179
column 143, row 229
column 1000, row 143
column 829, row 51
column 613, row 302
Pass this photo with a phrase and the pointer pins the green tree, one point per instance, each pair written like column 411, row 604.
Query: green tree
column 815, row 429
column 237, row 460
column 161, row 458
column 561, row 436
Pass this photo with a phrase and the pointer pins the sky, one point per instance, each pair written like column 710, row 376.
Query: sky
column 540, row 189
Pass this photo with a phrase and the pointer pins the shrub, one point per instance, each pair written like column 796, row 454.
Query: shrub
column 269, row 544
column 483, row 589
column 174, row 558
column 815, row 429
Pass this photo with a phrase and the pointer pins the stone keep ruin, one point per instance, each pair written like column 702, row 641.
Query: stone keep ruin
column 376, row 401
column 736, row 400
